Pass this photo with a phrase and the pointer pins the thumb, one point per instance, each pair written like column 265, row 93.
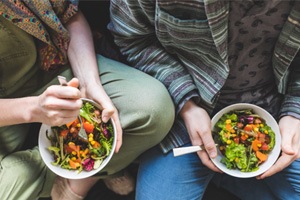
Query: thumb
column 211, row 149
column 106, row 114
column 74, row 82
column 209, row 145
column 286, row 144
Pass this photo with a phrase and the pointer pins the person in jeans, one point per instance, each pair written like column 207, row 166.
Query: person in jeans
column 210, row 54
column 40, row 40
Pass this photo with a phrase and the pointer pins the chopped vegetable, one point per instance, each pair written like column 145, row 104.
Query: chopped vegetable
column 261, row 156
column 73, row 153
column 244, row 139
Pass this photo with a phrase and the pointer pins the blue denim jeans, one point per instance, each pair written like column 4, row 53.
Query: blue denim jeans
column 165, row 177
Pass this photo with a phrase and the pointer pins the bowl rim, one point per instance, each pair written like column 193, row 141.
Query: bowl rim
column 273, row 155
column 71, row 174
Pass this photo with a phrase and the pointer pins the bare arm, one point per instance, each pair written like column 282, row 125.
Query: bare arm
column 83, row 61
column 56, row 106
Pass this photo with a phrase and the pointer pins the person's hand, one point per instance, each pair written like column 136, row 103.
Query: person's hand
column 59, row 105
column 84, row 66
column 290, row 145
column 198, row 124
column 97, row 93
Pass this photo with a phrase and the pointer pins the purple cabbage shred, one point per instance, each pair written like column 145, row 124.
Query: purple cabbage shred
column 88, row 164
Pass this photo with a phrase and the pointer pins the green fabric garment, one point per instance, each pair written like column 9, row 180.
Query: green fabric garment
column 17, row 57
column 45, row 21
column 146, row 114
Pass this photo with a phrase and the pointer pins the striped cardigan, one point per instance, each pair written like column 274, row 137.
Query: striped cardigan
column 184, row 45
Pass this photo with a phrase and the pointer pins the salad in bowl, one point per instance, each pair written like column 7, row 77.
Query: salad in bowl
column 248, row 140
column 73, row 157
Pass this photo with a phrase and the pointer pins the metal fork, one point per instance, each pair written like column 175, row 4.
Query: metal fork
column 82, row 133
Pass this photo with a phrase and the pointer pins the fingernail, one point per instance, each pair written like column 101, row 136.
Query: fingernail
column 213, row 154
column 104, row 119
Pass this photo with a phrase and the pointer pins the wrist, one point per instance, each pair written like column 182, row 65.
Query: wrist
column 190, row 104
column 32, row 112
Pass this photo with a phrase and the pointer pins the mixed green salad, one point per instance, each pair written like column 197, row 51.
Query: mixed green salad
column 244, row 139
column 73, row 153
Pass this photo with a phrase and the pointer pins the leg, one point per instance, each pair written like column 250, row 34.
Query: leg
column 286, row 184
column 167, row 177
column 283, row 185
column 145, row 108
column 146, row 114
column 240, row 187
column 23, row 174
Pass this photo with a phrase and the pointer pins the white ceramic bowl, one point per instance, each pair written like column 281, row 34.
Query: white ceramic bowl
column 47, row 156
column 272, row 156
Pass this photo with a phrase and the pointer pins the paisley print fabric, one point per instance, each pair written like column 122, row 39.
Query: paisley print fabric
column 43, row 19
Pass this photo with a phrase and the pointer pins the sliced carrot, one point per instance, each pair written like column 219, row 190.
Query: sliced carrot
column 75, row 122
column 96, row 144
column 69, row 124
column 255, row 144
column 70, row 147
column 243, row 137
column 261, row 156
column 228, row 127
column 73, row 164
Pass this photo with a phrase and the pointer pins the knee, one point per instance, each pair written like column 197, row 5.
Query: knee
column 156, row 109
column 161, row 109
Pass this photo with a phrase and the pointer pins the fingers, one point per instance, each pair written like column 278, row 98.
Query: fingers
column 210, row 147
column 107, row 112
column 119, row 131
column 210, row 151
column 61, row 104
column 208, row 143
column 283, row 161
column 289, row 128
column 286, row 141
column 207, row 161
column 108, row 109
column 290, row 142
column 60, row 117
column 203, row 136
column 63, row 92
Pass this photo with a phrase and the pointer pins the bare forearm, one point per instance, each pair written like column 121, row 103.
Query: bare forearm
column 17, row 111
column 81, row 51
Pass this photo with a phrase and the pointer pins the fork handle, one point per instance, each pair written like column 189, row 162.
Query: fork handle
column 62, row 80
column 185, row 150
